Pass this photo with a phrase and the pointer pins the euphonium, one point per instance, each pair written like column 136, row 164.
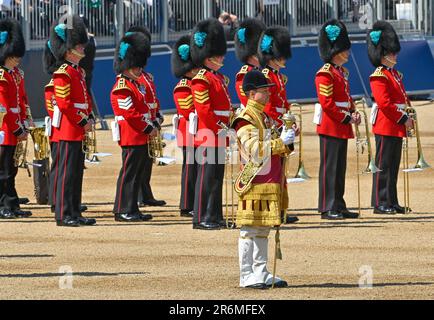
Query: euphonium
column 40, row 143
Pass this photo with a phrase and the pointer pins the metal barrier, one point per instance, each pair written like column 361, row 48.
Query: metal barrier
column 169, row 19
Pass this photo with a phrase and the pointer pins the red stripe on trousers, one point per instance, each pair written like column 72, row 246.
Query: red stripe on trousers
column 324, row 176
column 200, row 192
column 186, row 180
column 122, row 181
column 378, row 174
column 63, row 182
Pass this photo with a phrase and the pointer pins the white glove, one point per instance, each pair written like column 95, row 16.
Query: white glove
column 287, row 136
column 2, row 137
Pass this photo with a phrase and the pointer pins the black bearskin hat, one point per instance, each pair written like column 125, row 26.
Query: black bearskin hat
column 141, row 29
column 247, row 38
column 207, row 40
column 333, row 39
column 49, row 61
column 11, row 39
column 274, row 43
column 132, row 51
column 382, row 40
column 181, row 57
column 65, row 36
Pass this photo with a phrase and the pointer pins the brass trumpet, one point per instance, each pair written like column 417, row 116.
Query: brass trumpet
column 421, row 164
column 361, row 143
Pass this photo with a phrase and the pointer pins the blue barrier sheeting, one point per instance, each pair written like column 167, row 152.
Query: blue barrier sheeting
column 415, row 62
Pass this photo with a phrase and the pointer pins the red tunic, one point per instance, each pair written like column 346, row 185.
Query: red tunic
column 239, row 83
column 49, row 102
column 10, row 100
column 333, row 92
column 130, row 109
column 389, row 93
column 212, row 104
column 147, row 80
column 19, row 78
column 183, row 98
column 278, row 103
column 72, row 100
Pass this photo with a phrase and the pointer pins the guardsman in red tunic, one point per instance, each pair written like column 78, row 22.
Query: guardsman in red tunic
column 213, row 105
column 334, row 116
column 132, row 125
column 12, row 48
column 274, row 50
column 246, row 49
column 390, row 121
column 146, row 197
column 184, row 68
column 71, row 118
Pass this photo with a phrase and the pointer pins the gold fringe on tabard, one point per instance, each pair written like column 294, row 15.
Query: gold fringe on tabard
column 262, row 196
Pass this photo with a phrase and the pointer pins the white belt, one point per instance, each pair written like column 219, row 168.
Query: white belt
column 152, row 105
column 180, row 116
column 222, row 113
column 281, row 110
column 147, row 115
column 342, row 104
column 400, row 106
column 82, row 106
column 119, row 118
column 15, row 110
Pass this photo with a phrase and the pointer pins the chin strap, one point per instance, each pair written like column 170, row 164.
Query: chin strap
column 216, row 62
column 78, row 54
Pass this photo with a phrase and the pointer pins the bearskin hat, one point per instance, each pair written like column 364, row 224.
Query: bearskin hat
column 247, row 38
column 64, row 36
column 382, row 40
column 181, row 57
column 207, row 40
column 11, row 39
column 333, row 39
column 132, row 51
column 141, row 29
column 49, row 61
column 274, row 43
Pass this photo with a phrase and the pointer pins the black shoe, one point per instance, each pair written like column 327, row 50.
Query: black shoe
column 348, row 214
column 86, row 221
column 260, row 286
column 279, row 284
column 291, row 219
column 22, row 214
column 68, row 222
column 127, row 217
column 186, row 213
column 153, row 203
column 332, row 215
column 6, row 214
column 144, row 217
column 384, row 210
column 206, row 226
column 83, row 208
column 23, row 200
column 400, row 209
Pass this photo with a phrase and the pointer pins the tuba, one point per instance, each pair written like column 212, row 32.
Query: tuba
column 421, row 164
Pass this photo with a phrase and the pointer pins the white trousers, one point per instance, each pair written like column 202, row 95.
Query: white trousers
column 253, row 256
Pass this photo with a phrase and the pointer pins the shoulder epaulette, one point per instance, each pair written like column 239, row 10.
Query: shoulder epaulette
column 244, row 69
column 326, row 69
column 2, row 75
column 182, row 84
column 227, row 80
column 50, row 84
column 265, row 72
column 62, row 70
column 201, row 76
column 284, row 78
column 378, row 73
column 121, row 84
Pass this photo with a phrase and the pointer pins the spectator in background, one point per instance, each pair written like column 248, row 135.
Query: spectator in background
column 230, row 24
